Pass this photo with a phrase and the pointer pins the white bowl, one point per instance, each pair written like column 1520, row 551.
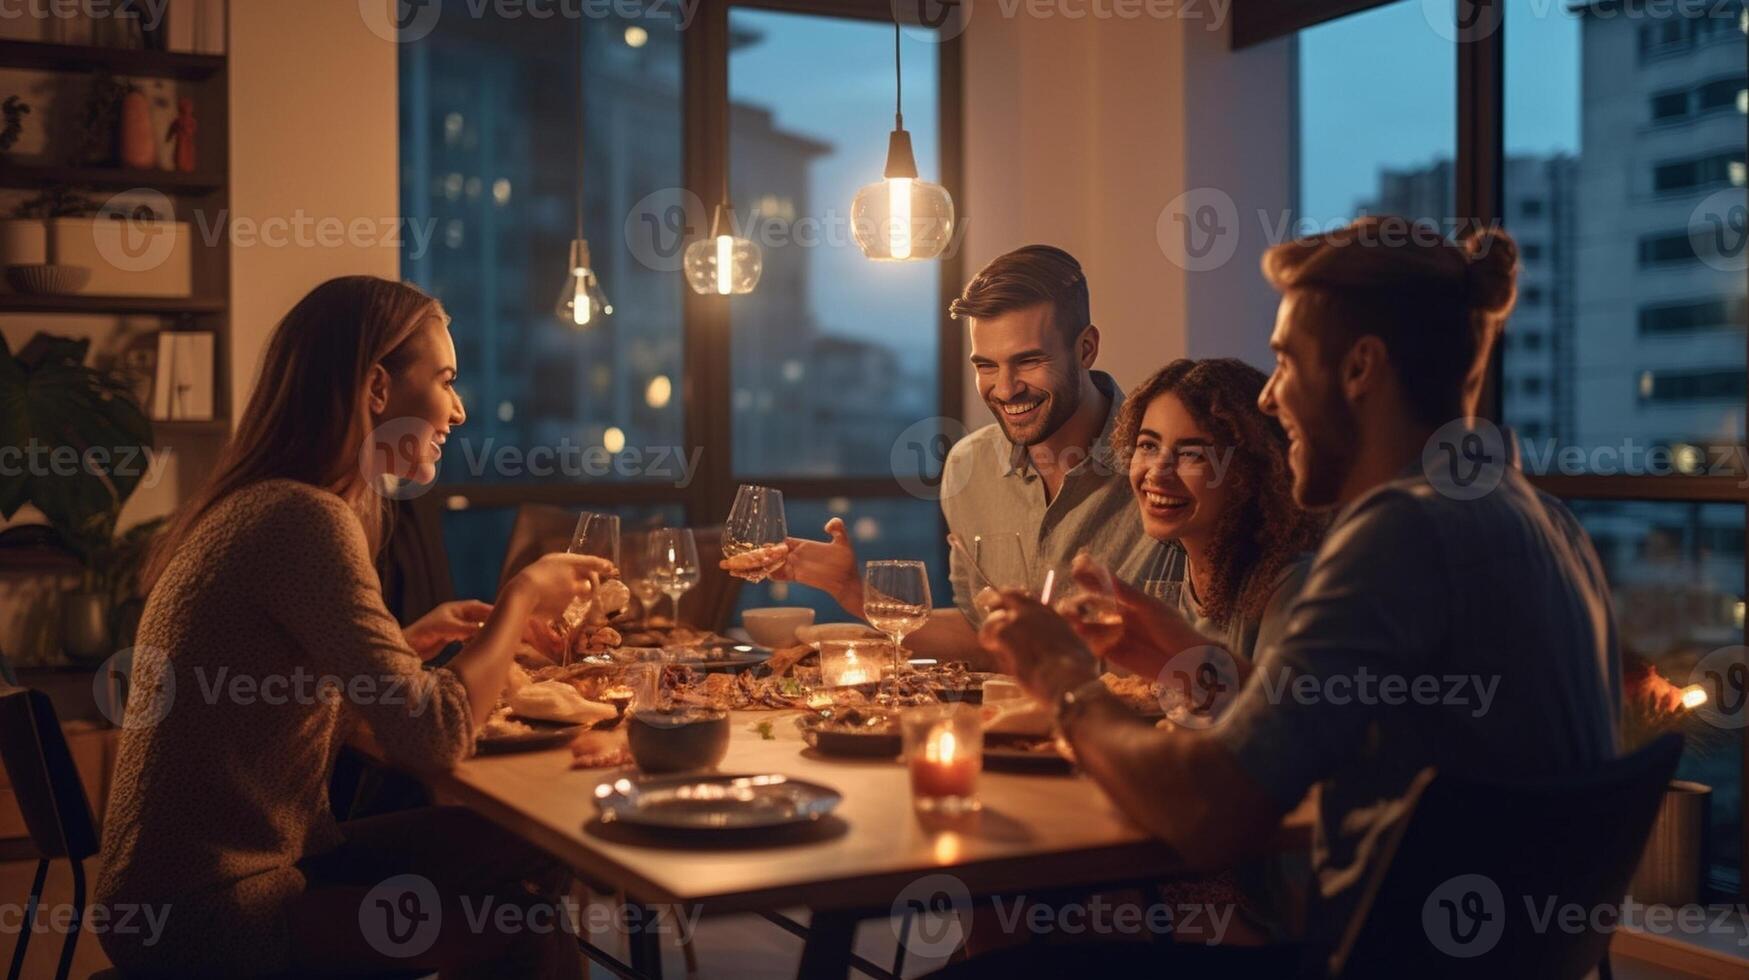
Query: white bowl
column 775, row 626
column 812, row 635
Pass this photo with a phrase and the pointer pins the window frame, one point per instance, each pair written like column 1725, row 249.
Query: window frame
column 705, row 379
column 1480, row 175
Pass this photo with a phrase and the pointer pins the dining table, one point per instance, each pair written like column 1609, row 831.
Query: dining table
column 1035, row 834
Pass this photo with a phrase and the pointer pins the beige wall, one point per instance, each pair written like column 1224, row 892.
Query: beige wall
column 1076, row 134
column 314, row 139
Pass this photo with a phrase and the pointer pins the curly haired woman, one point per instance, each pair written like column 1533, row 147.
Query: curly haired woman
column 1210, row 471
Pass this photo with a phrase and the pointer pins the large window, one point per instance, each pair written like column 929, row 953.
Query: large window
column 814, row 383
column 1609, row 139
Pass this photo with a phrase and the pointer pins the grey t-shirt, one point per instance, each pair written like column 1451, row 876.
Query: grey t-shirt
column 1475, row 636
column 988, row 486
column 1243, row 636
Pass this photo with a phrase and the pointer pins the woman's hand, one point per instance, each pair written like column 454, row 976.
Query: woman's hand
column 1036, row 645
column 548, row 584
column 445, row 624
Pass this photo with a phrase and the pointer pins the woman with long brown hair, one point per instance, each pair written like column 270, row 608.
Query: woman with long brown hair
column 1210, row 471
column 265, row 644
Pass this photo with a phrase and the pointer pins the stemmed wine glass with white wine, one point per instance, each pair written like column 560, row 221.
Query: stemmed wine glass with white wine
column 596, row 535
column 673, row 564
column 896, row 600
column 755, row 523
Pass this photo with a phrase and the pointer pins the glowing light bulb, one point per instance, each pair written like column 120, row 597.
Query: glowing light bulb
column 1693, row 696
column 580, row 312
column 581, row 303
column 725, row 264
column 899, row 217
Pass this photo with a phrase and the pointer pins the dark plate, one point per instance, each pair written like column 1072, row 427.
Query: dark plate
column 850, row 745
column 1003, row 755
column 713, row 802
column 546, row 735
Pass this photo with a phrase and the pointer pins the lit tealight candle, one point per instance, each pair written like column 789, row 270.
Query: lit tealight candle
column 946, row 752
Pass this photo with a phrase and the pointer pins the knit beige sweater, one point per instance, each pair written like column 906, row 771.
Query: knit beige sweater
column 262, row 645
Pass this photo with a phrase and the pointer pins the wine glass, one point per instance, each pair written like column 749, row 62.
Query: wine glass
column 756, row 521
column 999, row 564
column 673, row 563
column 597, row 535
column 1092, row 604
column 638, row 578
column 896, row 600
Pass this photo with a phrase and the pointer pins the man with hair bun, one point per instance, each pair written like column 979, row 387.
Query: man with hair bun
column 1379, row 348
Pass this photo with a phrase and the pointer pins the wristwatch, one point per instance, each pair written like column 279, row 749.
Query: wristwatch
column 1071, row 702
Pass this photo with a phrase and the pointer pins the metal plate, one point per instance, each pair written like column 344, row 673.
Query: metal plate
column 851, row 745
column 713, row 802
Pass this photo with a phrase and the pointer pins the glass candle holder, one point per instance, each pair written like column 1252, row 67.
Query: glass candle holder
column 847, row 663
column 944, row 749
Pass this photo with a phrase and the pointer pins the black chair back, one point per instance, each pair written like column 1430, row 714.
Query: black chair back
column 52, row 801
column 1481, row 878
column 40, row 768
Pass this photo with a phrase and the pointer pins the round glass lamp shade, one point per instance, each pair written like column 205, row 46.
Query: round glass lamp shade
column 901, row 219
column 724, row 265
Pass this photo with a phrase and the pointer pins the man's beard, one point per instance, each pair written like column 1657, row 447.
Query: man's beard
column 1326, row 453
column 1060, row 407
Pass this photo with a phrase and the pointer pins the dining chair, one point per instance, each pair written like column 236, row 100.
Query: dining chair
column 1468, row 880
column 57, row 815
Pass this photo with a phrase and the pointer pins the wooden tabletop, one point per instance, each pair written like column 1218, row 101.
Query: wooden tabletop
column 1036, row 831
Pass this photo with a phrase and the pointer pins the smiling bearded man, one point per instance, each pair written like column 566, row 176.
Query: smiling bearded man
column 1044, row 470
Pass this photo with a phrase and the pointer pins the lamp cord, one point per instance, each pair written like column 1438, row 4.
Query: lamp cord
column 898, row 82
column 582, row 39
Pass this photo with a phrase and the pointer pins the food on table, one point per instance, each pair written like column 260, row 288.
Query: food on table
column 1137, row 693
column 784, row 659
column 499, row 724
column 597, row 750
column 858, row 720
column 558, row 701
column 650, row 635
column 588, row 640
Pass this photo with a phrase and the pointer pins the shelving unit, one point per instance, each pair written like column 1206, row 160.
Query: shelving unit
column 205, row 193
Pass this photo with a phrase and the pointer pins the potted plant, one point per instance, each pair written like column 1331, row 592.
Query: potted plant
column 84, row 443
